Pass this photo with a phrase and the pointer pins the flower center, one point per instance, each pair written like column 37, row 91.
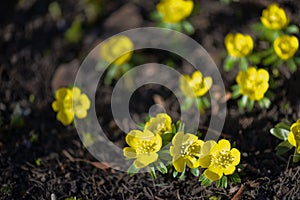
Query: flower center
column 145, row 147
column 223, row 159
column 189, row 149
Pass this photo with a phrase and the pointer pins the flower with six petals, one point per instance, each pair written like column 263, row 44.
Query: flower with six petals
column 117, row 50
column 143, row 147
column 285, row 46
column 185, row 151
column 238, row 45
column 274, row 17
column 174, row 11
column 253, row 83
column 221, row 160
column 69, row 103
column 196, row 85
column 159, row 124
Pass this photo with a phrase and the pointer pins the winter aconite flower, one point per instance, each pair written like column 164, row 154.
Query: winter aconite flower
column 70, row 103
column 253, row 83
column 185, row 151
column 159, row 124
column 238, row 45
column 174, row 11
column 223, row 160
column 117, row 50
column 285, row 46
column 196, row 85
column 143, row 146
column 274, row 17
column 294, row 135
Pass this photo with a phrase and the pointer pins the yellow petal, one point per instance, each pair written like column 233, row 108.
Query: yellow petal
column 55, row 106
column 129, row 152
column 213, row 174
column 236, row 156
column 85, row 101
column 192, row 162
column 229, row 170
column 80, row 113
column 145, row 159
column 66, row 117
column 224, row 145
column 179, row 164
column 291, row 139
column 76, row 93
column 178, row 139
column 62, row 93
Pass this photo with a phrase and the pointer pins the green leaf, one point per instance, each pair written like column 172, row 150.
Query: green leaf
column 224, row 182
column 200, row 105
column 16, row 119
column 182, row 175
column 292, row 65
column 296, row 157
column 132, row 170
column 161, row 167
column 175, row 173
column 250, row 105
column 152, row 172
column 235, row 178
column 155, row 16
column 264, row 102
column 283, row 147
column 54, row 10
column 254, row 59
column 242, row 103
column 195, row 171
column 205, row 102
column 166, row 137
column 284, row 125
column 270, row 60
column 140, row 126
column 243, row 64
column 297, row 60
column 280, row 133
column 188, row 27
column 229, row 63
column 187, row 103
column 205, row 181
column 292, row 29
column 74, row 33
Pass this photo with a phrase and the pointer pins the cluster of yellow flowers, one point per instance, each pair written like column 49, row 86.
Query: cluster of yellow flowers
column 253, row 83
column 70, row 103
column 187, row 150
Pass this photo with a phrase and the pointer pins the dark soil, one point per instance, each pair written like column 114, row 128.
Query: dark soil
column 32, row 52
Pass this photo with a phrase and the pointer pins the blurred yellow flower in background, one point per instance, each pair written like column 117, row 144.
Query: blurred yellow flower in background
column 253, row 83
column 274, row 17
column 174, row 11
column 238, row 45
column 69, row 103
column 286, row 46
column 294, row 135
column 185, row 151
column 143, row 146
column 112, row 50
column 196, row 85
column 223, row 160
column 159, row 124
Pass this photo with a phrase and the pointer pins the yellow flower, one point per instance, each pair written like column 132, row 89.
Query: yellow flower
column 274, row 17
column 143, row 146
column 195, row 86
column 222, row 160
column 112, row 50
column 285, row 46
column 253, row 83
column 185, row 151
column 238, row 45
column 174, row 11
column 159, row 124
column 294, row 136
column 69, row 103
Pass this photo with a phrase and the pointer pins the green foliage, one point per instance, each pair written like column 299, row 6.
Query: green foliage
column 74, row 34
column 55, row 10
column 205, row 181
column 16, row 120
column 229, row 63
